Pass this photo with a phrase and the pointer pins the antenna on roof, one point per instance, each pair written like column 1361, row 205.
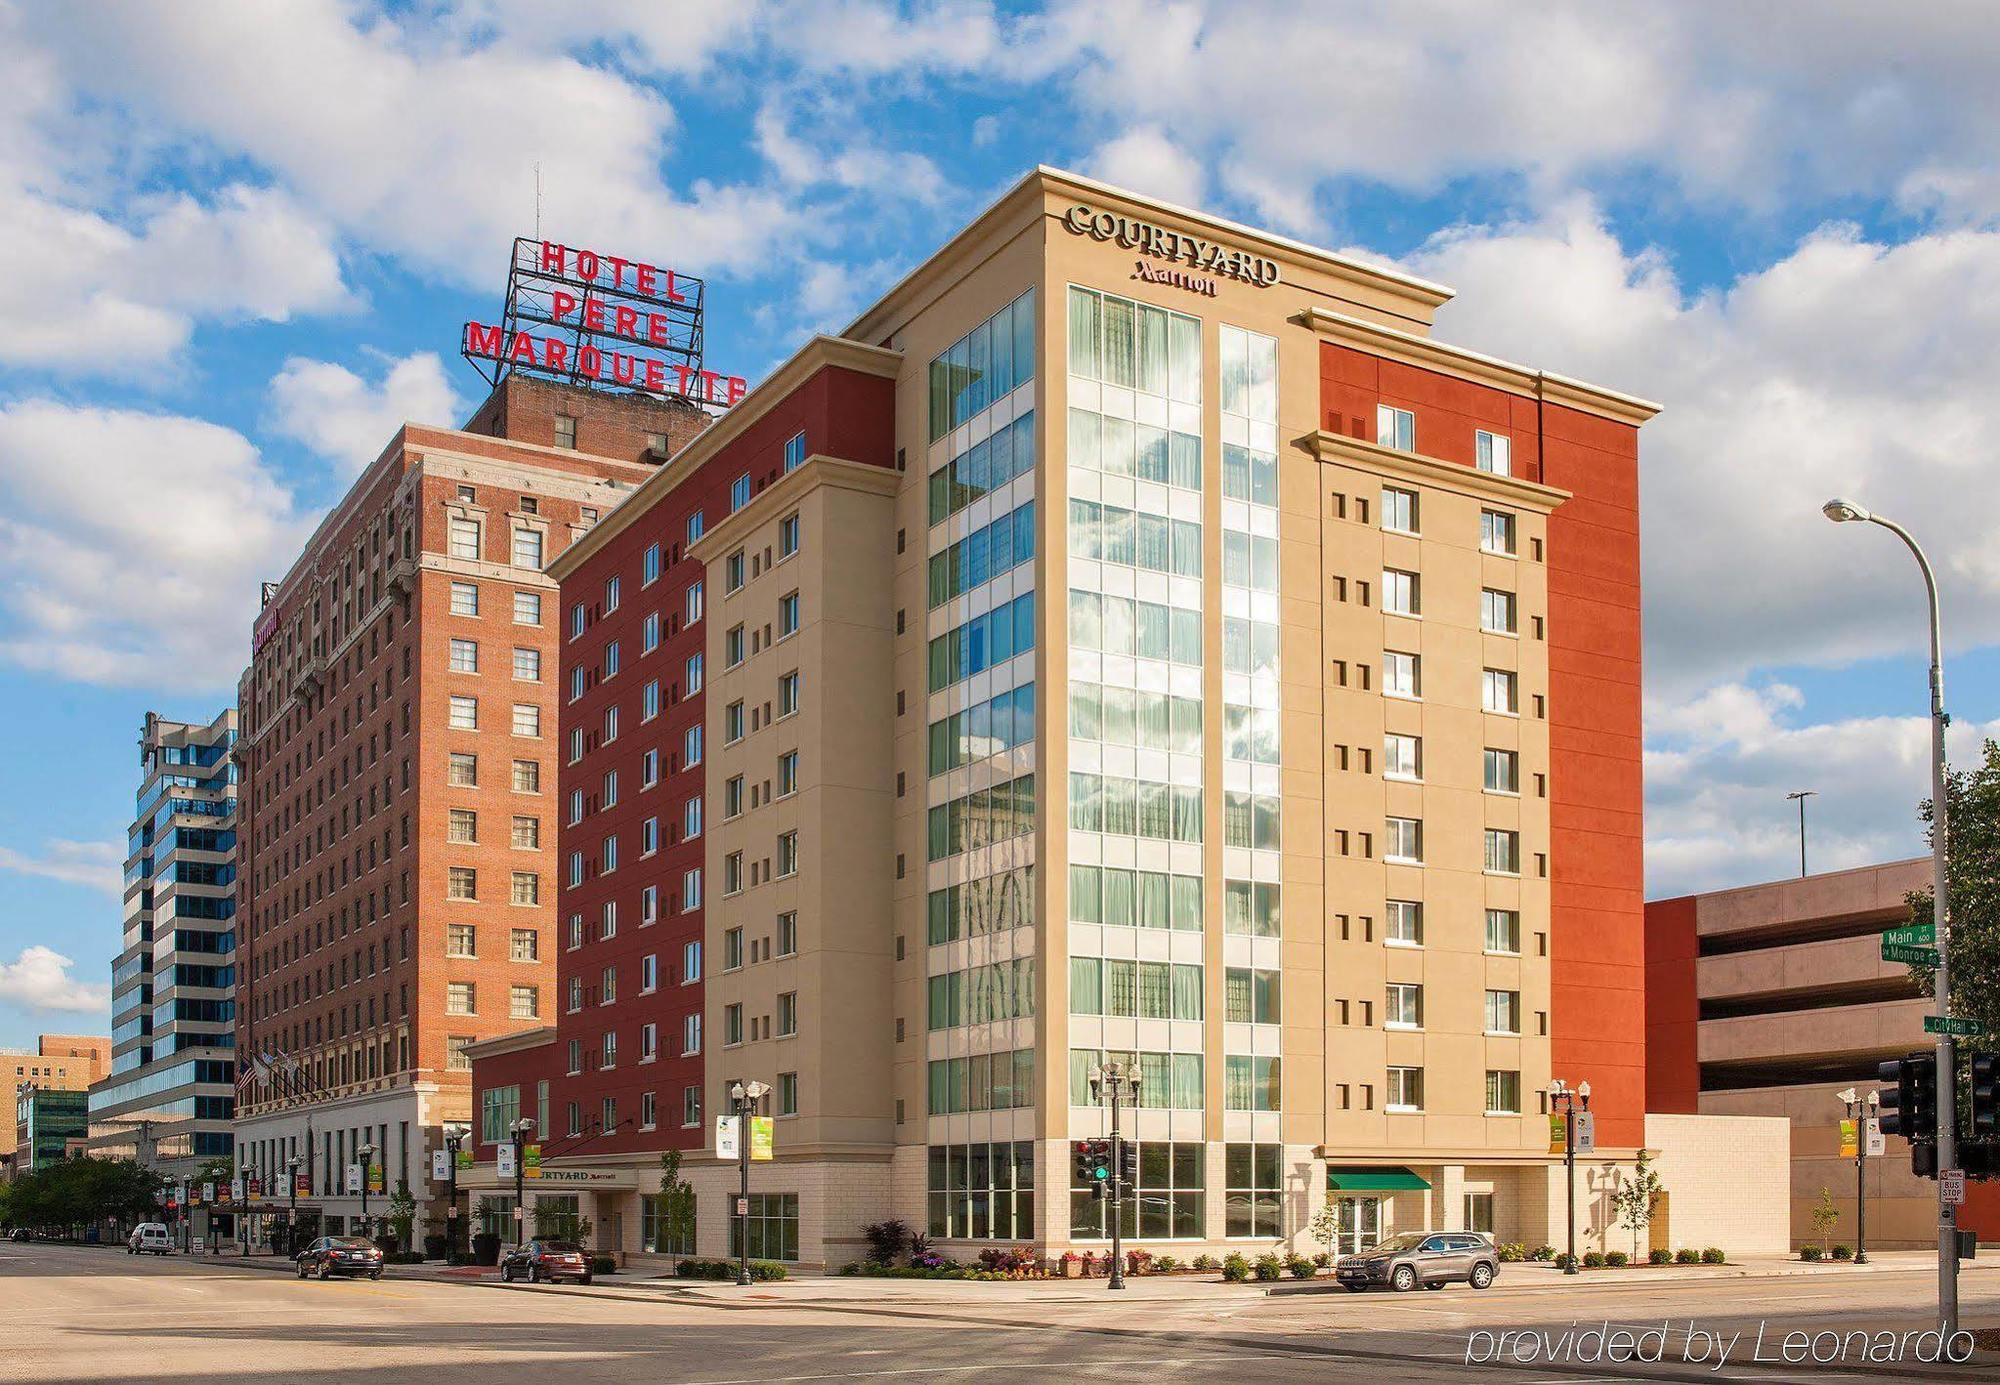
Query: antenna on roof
column 538, row 199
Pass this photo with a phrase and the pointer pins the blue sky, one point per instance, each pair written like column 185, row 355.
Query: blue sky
column 244, row 237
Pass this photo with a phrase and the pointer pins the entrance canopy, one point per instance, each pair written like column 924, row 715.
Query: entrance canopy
column 1377, row 1180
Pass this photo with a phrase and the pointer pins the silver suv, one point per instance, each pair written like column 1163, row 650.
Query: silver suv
column 1432, row 1259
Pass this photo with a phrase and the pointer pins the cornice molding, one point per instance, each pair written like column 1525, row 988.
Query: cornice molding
column 816, row 471
column 1412, row 466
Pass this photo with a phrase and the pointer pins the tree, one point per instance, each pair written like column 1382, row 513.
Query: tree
column 1972, row 880
column 674, row 1233
column 402, row 1214
column 1823, row 1218
column 1637, row 1198
column 1325, row 1227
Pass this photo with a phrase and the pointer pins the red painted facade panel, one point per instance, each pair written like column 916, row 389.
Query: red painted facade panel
column 1673, row 1071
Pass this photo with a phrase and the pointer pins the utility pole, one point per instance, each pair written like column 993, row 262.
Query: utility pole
column 745, row 1096
column 520, row 1131
column 1567, row 1099
column 452, row 1140
column 1116, row 1081
column 1801, row 796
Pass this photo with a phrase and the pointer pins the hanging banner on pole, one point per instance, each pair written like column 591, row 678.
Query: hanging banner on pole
column 726, row 1147
column 1876, row 1146
column 503, row 1164
column 762, row 1138
column 1850, row 1140
column 1586, row 1132
column 1558, row 1134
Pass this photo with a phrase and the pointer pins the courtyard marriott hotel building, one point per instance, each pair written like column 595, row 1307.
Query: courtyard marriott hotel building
column 1134, row 638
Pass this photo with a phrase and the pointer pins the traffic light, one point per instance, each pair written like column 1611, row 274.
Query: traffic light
column 1984, row 1121
column 1093, row 1165
column 1128, row 1163
column 1910, row 1108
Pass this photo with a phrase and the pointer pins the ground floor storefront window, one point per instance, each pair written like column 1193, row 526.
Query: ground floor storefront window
column 1358, row 1223
column 557, row 1217
column 1479, row 1212
column 773, row 1225
column 1255, row 1194
column 1170, row 1204
column 495, row 1217
column 655, row 1228
column 983, row 1191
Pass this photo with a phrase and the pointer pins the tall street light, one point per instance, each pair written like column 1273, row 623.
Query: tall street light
column 519, row 1130
column 745, row 1095
column 1861, row 1114
column 292, row 1220
column 1847, row 512
column 1569, row 1100
column 1800, row 796
column 367, row 1153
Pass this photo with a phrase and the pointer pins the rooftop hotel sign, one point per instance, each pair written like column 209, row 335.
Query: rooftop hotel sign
column 601, row 321
column 1188, row 257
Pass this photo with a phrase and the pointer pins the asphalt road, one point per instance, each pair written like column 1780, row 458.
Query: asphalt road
column 72, row 1314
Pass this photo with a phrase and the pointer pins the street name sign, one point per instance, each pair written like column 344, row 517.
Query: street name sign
column 1910, row 953
column 1953, row 1024
column 1912, row 935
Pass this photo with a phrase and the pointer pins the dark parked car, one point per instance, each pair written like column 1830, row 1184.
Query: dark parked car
column 332, row 1255
column 539, row 1261
column 1432, row 1259
column 20, row 1233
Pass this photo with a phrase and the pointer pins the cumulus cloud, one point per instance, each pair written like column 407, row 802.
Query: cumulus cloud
column 40, row 979
column 94, row 865
column 1147, row 160
column 132, row 544
column 347, row 419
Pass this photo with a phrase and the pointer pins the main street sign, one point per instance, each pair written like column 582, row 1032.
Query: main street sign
column 1911, row 935
column 1953, row 1024
column 1909, row 953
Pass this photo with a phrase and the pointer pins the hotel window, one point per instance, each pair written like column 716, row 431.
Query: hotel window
column 1404, row 1006
column 697, row 525
column 464, row 656
column 1400, row 675
column 1250, row 1083
column 649, row 904
column 463, row 826
column 788, row 1014
column 788, row 854
column 649, row 700
column 1496, row 532
column 788, row 773
column 1496, row 611
column 455, row 1057
column 527, row 608
column 1400, row 593
column 648, row 1119
column 983, row 366
column 464, row 599
column 691, row 1105
column 462, row 882
column 1503, row 771
column 578, row 618
column 732, row 796
column 649, row 633
column 527, row 665
column 524, row 1002
column 527, row 776
column 733, row 646
column 1503, row 1012
column 691, row 819
column 609, row 854
column 527, row 887
column 1395, row 428
column 788, row 614
column 460, row 998
column 610, row 1052
column 649, row 566
column 460, row 940
column 691, row 1035
column 1255, row 1190
column 1503, row 931
column 788, row 1094
column 788, row 536
column 575, row 1002
column 649, row 836
column 527, row 719
column 1402, row 757
column 690, row 890
column 524, row 945
column 575, row 868
column 732, row 1024
column 464, row 713
column 1403, row 922
column 649, row 1042
column 528, row 548
column 611, row 660
column 1494, row 453
column 1250, row 996
column 1403, row 840
column 788, row 693
column 1503, row 851
column 1250, row 908
column 1406, row 1090
column 1503, row 1098
column 732, row 949
column 739, row 493
column 649, row 974
column 611, row 589
column 565, row 431
column 607, row 986
column 732, row 573
column 464, row 539
column 1399, row 510
column 795, row 451
column 732, row 723
column 694, row 603
column 788, row 934
column 690, row 962
column 1249, row 820
column 694, row 673
column 691, row 747
column 1499, row 691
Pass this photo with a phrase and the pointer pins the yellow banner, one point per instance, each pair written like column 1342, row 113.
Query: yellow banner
column 1558, row 1134
column 761, row 1137
column 1850, row 1140
column 531, row 1161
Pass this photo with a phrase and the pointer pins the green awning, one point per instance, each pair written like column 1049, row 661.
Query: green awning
column 1363, row 1180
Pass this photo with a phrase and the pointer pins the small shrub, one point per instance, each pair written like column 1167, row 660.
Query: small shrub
column 1687, row 1257
column 1843, row 1252
column 1235, row 1269
column 1324, row 1259
column 1809, row 1252
column 1268, row 1269
column 1617, row 1259
column 1564, row 1260
column 1513, row 1253
column 726, row 1269
column 1714, row 1256
column 1301, row 1268
column 1659, row 1257
column 851, row 1267
column 603, row 1264
column 1593, row 1259
column 1542, row 1252
column 887, row 1240
column 1138, row 1262
column 1165, row 1264
column 1205, row 1262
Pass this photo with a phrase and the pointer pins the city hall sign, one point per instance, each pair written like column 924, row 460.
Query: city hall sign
column 1199, row 256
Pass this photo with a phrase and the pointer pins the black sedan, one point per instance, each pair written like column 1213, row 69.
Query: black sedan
column 332, row 1255
column 541, row 1261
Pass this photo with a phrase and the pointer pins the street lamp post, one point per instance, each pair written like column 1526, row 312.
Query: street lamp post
column 1800, row 796
column 453, row 1138
column 520, row 1130
column 745, row 1095
column 292, row 1217
column 1846, row 512
column 1110, row 1083
column 1569, row 1100
column 1860, row 1110
column 367, row 1153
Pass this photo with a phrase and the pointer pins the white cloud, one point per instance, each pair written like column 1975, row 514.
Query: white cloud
column 132, row 545
column 347, row 419
column 40, row 979
column 1146, row 160
column 95, row 865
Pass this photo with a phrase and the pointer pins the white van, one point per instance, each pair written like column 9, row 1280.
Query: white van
column 150, row 1236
